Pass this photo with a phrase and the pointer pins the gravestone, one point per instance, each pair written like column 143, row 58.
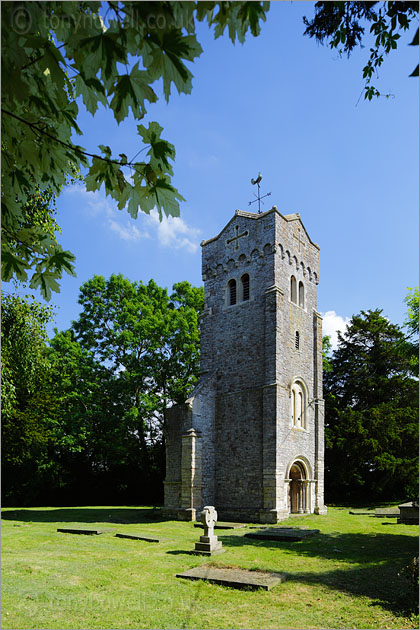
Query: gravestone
column 138, row 537
column 86, row 532
column 236, row 578
column 208, row 545
column 283, row 534
column 409, row 513
column 224, row 525
column 392, row 512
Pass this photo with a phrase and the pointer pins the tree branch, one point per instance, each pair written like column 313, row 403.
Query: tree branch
column 73, row 148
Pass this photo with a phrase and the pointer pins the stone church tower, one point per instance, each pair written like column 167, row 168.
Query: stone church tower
column 250, row 440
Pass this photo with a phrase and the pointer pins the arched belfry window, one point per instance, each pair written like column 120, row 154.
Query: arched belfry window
column 245, row 286
column 232, row 292
column 301, row 295
column 293, row 289
column 298, row 406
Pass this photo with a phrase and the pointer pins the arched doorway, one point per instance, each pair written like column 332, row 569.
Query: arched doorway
column 297, row 488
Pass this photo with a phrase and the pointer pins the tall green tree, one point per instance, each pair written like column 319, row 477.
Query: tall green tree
column 133, row 351
column 107, row 53
column 371, row 413
column 150, row 340
column 26, row 404
column 343, row 25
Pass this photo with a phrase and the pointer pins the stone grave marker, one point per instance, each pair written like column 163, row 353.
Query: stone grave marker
column 282, row 534
column 138, row 537
column 392, row 512
column 208, row 545
column 409, row 513
column 237, row 578
column 223, row 525
column 86, row 532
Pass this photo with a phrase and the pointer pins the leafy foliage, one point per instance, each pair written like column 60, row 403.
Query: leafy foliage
column 85, row 417
column 58, row 53
column 371, row 413
column 412, row 325
column 25, row 404
column 326, row 354
column 341, row 24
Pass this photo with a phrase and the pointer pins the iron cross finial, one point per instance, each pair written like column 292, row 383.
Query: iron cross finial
column 257, row 181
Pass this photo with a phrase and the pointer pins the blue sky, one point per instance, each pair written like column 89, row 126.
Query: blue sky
column 282, row 105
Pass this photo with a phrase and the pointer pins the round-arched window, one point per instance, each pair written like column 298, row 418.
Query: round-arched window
column 298, row 406
column 232, row 292
column 293, row 289
column 245, row 286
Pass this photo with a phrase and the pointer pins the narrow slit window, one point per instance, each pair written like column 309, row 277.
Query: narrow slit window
column 301, row 295
column 293, row 407
column 245, row 287
column 293, row 289
column 232, row 292
column 297, row 340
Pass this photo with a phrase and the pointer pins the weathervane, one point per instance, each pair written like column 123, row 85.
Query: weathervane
column 258, row 198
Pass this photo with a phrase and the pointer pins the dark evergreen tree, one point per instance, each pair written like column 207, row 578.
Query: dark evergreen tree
column 371, row 414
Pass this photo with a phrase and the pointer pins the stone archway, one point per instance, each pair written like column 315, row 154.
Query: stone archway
column 297, row 488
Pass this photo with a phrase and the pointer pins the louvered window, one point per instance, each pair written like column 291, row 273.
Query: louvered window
column 245, row 287
column 232, row 292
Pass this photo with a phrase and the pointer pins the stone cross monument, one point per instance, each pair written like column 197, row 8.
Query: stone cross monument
column 208, row 544
column 250, row 440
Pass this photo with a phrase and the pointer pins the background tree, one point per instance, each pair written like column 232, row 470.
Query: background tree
column 412, row 325
column 26, row 405
column 84, row 419
column 109, row 53
column 342, row 25
column 371, row 413
column 133, row 351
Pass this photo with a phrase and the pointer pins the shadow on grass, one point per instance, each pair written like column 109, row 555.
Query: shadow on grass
column 379, row 559
column 84, row 515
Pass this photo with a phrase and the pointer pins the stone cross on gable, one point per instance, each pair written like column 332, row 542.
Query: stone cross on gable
column 299, row 240
column 236, row 238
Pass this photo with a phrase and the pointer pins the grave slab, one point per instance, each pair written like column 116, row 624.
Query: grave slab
column 362, row 512
column 236, row 578
column 138, row 537
column 282, row 534
column 223, row 525
column 86, row 532
column 409, row 513
column 393, row 512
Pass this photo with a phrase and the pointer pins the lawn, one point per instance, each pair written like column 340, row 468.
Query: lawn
column 345, row 577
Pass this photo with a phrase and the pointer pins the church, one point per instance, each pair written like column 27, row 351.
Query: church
column 250, row 439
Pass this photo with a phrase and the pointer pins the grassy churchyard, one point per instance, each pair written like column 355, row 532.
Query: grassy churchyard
column 344, row 577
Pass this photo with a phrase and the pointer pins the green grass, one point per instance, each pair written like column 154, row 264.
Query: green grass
column 346, row 577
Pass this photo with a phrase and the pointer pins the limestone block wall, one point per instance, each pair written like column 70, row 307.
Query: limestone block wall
column 239, row 439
